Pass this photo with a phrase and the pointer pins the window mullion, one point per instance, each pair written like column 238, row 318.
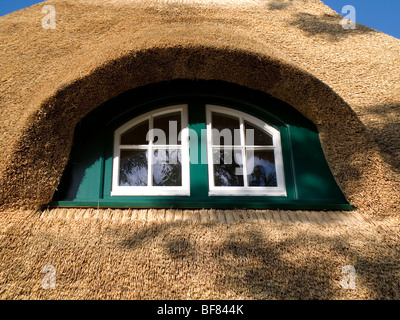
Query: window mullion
column 134, row 147
column 243, row 147
column 150, row 154
column 261, row 147
column 210, row 157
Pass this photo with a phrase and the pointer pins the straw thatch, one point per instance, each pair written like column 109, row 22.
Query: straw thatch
column 346, row 81
column 144, row 254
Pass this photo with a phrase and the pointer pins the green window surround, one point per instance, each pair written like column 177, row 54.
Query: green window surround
column 301, row 178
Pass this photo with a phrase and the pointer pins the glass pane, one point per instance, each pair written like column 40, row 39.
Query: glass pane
column 136, row 135
column 226, row 127
column 227, row 167
column 261, row 171
column 258, row 137
column 167, row 168
column 133, row 168
column 170, row 124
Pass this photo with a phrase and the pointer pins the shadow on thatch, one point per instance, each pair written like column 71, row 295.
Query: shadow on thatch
column 302, row 275
column 385, row 130
column 257, row 266
column 279, row 4
column 327, row 26
column 179, row 248
column 139, row 238
column 275, row 263
column 107, row 259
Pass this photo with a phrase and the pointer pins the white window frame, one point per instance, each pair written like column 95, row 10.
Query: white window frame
column 151, row 190
column 246, row 190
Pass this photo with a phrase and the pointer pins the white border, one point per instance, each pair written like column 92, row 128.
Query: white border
column 279, row 190
column 184, row 190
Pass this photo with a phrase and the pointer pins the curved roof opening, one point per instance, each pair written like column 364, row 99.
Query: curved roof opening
column 233, row 147
column 76, row 67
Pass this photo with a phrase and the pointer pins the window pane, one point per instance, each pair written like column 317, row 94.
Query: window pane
column 170, row 124
column 167, row 168
column 227, row 167
column 136, row 135
column 133, row 168
column 261, row 171
column 260, row 137
column 226, row 127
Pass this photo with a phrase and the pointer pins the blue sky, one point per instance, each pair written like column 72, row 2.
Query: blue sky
column 382, row 15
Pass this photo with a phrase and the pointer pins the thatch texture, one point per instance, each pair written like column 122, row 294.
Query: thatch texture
column 159, row 254
column 346, row 81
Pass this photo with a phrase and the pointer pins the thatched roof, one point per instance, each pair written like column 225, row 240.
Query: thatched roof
column 144, row 254
column 345, row 81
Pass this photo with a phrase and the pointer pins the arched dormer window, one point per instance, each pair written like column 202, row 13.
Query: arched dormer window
column 197, row 144
column 249, row 161
column 152, row 154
